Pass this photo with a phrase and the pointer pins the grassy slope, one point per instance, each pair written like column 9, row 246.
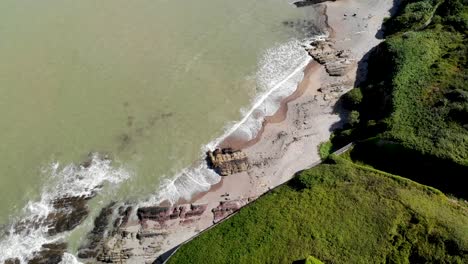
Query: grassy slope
column 418, row 90
column 413, row 108
column 339, row 213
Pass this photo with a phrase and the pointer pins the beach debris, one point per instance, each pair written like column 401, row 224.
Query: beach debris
column 227, row 161
column 336, row 62
column 162, row 214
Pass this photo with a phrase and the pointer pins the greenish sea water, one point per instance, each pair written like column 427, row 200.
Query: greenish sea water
column 146, row 82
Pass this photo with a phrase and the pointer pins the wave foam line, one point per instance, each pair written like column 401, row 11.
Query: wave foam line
column 28, row 234
column 262, row 99
column 274, row 63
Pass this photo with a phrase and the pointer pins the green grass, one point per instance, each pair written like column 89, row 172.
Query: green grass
column 339, row 213
column 415, row 99
column 325, row 148
column 312, row 260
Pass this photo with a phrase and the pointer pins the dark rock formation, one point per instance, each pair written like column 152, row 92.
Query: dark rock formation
column 227, row 161
column 49, row 254
column 90, row 250
column 124, row 215
column 12, row 261
column 69, row 213
column 336, row 62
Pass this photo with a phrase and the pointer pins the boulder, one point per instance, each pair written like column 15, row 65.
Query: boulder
column 12, row 261
column 94, row 238
column 227, row 161
column 69, row 213
column 336, row 62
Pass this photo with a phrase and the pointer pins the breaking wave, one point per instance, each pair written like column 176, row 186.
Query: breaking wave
column 69, row 181
column 279, row 72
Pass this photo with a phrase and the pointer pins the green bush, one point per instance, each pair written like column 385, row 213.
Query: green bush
column 352, row 99
column 312, row 260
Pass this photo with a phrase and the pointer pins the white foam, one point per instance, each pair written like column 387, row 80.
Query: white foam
column 279, row 72
column 69, row 259
column 71, row 180
column 184, row 184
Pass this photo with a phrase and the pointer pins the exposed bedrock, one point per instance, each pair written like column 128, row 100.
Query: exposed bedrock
column 227, row 161
column 94, row 238
column 162, row 214
column 336, row 62
column 226, row 208
column 49, row 254
column 69, row 213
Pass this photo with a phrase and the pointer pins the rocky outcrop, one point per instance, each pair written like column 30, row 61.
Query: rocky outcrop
column 90, row 249
column 114, row 255
column 162, row 214
column 123, row 216
column 49, row 254
column 12, row 261
column 227, row 161
column 69, row 213
column 336, row 62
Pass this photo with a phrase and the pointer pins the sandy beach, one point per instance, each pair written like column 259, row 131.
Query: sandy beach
column 287, row 143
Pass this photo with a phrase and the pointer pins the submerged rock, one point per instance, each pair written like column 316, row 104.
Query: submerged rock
column 69, row 213
column 227, row 161
column 49, row 254
column 12, row 261
column 90, row 249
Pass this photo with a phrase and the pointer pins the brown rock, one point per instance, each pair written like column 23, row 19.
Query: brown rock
column 336, row 62
column 69, row 213
column 90, row 249
column 227, row 161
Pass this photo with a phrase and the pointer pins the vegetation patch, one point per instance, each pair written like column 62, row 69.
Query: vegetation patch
column 340, row 213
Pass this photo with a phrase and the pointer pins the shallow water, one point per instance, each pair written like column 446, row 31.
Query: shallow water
column 147, row 82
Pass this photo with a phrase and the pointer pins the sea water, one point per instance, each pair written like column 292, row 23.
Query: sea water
column 149, row 83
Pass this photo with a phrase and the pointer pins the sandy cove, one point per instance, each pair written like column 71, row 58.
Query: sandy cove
column 287, row 143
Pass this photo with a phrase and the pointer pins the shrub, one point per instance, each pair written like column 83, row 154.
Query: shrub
column 352, row 99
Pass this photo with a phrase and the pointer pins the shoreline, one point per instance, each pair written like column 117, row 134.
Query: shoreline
column 286, row 143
